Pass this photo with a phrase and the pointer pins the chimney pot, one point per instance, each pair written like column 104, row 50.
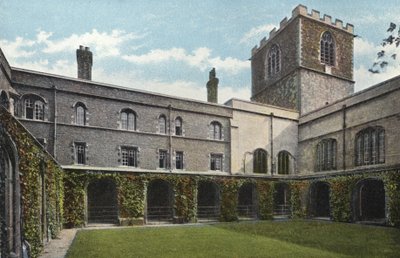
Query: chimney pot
column 84, row 58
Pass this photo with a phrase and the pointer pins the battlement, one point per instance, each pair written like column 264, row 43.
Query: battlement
column 301, row 10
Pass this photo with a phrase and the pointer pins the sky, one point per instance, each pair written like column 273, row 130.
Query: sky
column 169, row 47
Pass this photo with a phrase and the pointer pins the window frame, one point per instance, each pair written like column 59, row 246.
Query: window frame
column 36, row 107
column 260, row 161
column 214, row 157
column 284, row 162
column 178, row 128
column 80, row 153
column 129, row 156
column 216, row 130
column 128, row 124
column 162, row 124
column 181, row 156
column 326, row 155
column 327, row 49
column 165, row 159
column 80, row 114
column 273, row 60
column 370, row 146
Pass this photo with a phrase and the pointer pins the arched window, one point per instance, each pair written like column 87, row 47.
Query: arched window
column 326, row 155
column 283, row 163
column 178, row 126
column 274, row 60
column 327, row 49
column 34, row 107
column 370, row 146
column 260, row 161
column 215, row 130
column 128, row 120
column 80, row 110
column 162, row 124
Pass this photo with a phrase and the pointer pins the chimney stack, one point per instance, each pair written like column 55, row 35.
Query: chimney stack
column 212, row 87
column 84, row 58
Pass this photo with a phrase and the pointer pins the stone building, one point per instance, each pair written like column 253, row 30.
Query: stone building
column 305, row 145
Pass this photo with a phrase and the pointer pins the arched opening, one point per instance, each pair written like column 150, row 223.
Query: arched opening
column 282, row 205
column 102, row 201
column 260, row 161
column 247, row 201
column 10, row 211
column 159, row 201
column 369, row 201
column 208, row 207
column 319, row 200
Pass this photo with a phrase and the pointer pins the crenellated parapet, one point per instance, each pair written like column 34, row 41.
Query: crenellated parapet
column 301, row 10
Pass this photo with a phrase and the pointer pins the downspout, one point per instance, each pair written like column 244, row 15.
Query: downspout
column 170, row 136
column 272, row 143
column 55, row 123
column 344, row 137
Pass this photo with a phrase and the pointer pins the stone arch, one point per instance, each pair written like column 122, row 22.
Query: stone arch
column 369, row 201
column 208, row 200
column 282, row 205
column 10, row 199
column 160, row 201
column 319, row 200
column 247, row 201
column 102, row 201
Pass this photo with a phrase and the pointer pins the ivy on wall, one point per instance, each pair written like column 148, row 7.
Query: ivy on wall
column 34, row 165
column 298, row 197
column 265, row 191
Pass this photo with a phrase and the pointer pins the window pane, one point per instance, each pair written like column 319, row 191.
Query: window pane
column 178, row 127
column 129, row 156
column 80, row 153
column 162, row 124
column 80, row 115
column 131, row 121
column 124, row 120
column 179, row 160
column 162, row 159
column 216, row 162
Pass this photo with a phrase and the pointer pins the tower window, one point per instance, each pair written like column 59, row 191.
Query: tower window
column 274, row 60
column 327, row 49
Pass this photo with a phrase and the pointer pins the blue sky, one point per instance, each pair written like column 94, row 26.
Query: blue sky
column 169, row 46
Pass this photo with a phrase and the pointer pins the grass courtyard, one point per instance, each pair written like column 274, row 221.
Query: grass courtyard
column 245, row 239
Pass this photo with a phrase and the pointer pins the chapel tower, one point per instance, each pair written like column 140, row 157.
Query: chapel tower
column 305, row 64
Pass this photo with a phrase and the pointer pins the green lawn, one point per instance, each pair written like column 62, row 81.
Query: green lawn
column 246, row 239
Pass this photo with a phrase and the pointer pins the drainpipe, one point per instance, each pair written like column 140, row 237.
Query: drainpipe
column 170, row 136
column 344, row 137
column 272, row 143
column 55, row 122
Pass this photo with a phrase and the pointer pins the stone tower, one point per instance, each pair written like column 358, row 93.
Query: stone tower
column 305, row 64
column 84, row 58
column 212, row 87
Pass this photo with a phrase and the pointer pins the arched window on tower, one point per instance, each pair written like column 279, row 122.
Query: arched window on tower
column 80, row 110
column 370, row 146
column 128, row 119
column 260, row 161
column 283, row 163
column 274, row 60
column 326, row 155
column 327, row 53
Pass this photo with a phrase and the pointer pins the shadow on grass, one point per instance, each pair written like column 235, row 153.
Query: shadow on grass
column 341, row 238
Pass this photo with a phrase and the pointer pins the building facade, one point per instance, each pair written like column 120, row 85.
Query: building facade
column 305, row 145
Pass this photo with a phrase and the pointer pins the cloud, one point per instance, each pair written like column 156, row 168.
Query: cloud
column 105, row 44
column 362, row 47
column 365, row 79
column 199, row 58
column 256, row 34
column 16, row 49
